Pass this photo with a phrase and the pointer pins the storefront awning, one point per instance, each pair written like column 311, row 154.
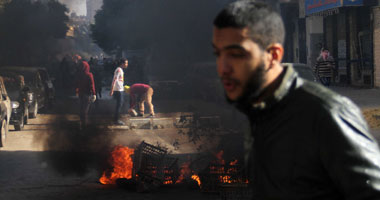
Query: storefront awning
column 316, row 6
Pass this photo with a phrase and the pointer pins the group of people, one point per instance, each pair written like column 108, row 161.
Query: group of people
column 139, row 94
column 306, row 141
column 85, row 89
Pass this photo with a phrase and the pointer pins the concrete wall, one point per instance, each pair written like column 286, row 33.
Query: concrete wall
column 314, row 38
column 92, row 7
column 376, row 45
column 76, row 6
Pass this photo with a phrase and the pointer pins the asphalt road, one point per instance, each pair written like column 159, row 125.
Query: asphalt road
column 52, row 159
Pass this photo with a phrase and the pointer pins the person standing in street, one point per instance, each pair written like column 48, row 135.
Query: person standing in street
column 139, row 94
column 117, row 89
column 85, row 90
column 324, row 67
column 306, row 141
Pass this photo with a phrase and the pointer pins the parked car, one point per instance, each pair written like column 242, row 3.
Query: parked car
column 5, row 112
column 304, row 71
column 34, row 85
column 21, row 97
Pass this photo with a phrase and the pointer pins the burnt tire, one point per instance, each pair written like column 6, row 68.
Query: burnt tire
column 3, row 132
column 35, row 111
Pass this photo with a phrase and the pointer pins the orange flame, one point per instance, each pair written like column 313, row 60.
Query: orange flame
column 233, row 162
column 122, row 165
column 197, row 179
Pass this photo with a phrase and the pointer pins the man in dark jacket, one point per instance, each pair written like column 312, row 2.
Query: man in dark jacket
column 307, row 142
column 85, row 89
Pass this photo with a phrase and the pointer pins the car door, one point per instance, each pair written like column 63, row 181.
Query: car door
column 3, row 109
column 6, row 100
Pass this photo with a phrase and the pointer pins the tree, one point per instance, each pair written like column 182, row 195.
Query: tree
column 29, row 30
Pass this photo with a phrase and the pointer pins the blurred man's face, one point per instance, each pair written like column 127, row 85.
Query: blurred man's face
column 325, row 53
column 76, row 58
column 125, row 64
column 240, row 62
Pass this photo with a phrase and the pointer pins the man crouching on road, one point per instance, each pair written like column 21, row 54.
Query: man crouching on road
column 140, row 93
column 308, row 142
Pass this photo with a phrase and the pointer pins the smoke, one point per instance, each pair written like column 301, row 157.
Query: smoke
column 71, row 151
column 76, row 6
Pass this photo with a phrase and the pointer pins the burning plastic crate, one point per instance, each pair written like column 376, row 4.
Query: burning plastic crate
column 219, row 176
column 152, row 166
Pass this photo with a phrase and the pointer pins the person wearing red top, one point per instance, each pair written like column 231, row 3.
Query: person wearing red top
column 139, row 94
column 85, row 89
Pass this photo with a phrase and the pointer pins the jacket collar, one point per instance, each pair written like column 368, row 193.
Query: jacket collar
column 287, row 83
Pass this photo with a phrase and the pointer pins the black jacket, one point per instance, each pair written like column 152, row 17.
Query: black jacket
column 310, row 143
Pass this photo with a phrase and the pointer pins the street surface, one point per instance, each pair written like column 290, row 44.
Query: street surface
column 52, row 159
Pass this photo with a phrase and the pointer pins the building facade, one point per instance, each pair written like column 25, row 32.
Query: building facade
column 93, row 6
column 347, row 28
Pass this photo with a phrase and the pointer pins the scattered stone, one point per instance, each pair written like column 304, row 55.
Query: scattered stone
column 158, row 126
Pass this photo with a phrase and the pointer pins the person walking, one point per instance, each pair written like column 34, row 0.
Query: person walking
column 117, row 89
column 324, row 67
column 139, row 94
column 85, row 90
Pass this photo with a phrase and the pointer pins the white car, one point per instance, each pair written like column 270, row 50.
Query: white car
column 5, row 112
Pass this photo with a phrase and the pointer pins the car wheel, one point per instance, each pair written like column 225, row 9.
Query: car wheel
column 20, row 125
column 35, row 111
column 3, row 132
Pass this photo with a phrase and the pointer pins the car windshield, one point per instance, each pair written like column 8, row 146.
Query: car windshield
column 11, row 83
column 28, row 75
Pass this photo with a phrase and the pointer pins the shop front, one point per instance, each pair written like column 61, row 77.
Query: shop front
column 347, row 33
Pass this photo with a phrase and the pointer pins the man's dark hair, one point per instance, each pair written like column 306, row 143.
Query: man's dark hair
column 121, row 61
column 265, row 25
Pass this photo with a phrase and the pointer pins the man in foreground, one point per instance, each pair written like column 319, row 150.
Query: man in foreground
column 308, row 142
column 139, row 94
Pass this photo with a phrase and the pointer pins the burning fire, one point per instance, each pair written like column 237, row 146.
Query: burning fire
column 197, row 179
column 226, row 171
column 185, row 172
column 122, row 164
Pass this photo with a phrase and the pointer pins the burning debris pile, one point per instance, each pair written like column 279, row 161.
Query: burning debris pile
column 219, row 174
column 149, row 167
column 122, row 165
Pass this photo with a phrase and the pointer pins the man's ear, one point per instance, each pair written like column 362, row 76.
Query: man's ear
column 276, row 50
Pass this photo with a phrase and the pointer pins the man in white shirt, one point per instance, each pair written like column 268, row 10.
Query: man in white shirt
column 117, row 88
